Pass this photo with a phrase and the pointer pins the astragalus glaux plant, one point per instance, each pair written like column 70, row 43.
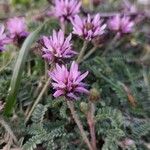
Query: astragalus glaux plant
column 71, row 101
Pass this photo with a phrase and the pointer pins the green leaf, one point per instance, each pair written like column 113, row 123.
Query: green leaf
column 18, row 69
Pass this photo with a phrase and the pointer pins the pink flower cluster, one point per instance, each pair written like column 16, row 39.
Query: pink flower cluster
column 68, row 83
column 121, row 24
column 66, row 9
column 17, row 28
column 16, row 32
column 57, row 46
column 88, row 28
column 3, row 38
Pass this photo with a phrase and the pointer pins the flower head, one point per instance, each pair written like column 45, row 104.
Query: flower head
column 57, row 46
column 121, row 24
column 3, row 38
column 68, row 83
column 17, row 28
column 66, row 9
column 89, row 27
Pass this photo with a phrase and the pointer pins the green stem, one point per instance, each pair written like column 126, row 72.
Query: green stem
column 29, row 68
column 89, row 53
column 81, row 54
column 38, row 99
column 111, row 45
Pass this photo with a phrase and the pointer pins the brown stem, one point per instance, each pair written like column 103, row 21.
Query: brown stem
column 78, row 122
column 81, row 54
column 91, row 123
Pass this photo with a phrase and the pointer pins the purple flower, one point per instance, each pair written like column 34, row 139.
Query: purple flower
column 68, row 83
column 57, row 46
column 121, row 24
column 89, row 27
column 66, row 9
column 17, row 28
column 3, row 38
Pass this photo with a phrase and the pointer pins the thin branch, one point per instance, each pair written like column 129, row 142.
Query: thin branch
column 81, row 54
column 91, row 123
column 89, row 53
column 78, row 122
column 111, row 45
column 38, row 99
column 8, row 129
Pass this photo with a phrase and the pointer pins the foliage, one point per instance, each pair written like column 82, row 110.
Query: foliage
column 121, row 77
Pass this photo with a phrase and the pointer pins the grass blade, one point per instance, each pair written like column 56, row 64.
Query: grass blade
column 18, row 69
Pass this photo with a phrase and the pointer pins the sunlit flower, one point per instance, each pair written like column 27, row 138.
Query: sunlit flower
column 57, row 46
column 66, row 9
column 3, row 38
column 121, row 24
column 17, row 28
column 89, row 27
column 68, row 83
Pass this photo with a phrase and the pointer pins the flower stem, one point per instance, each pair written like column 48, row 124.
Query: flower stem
column 78, row 122
column 63, row 26
column 81, row 54
column 29, row 68
column 38, row 99
column 111, row 45
column 89, row 53
column 8, row 129
column 91, row 123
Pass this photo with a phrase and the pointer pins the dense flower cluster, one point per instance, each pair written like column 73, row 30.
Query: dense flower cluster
column 3, row 38
column 89, row 27
column 57, row 46
column 68, row 83
column 66, row 9
column 17, row 28
column 121, row 24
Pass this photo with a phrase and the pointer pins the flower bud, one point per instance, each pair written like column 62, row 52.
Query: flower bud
column 94, row 95
column 84, row 107
column 96, row 2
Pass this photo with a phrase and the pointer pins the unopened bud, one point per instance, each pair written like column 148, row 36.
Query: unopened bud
column 94, row 95
column 96, row 2
column 84, row 107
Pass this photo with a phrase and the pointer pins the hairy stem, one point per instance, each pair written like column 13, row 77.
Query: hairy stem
column 81, row 54
column 78, row 122
column 91, row 123
column 38, row 99
column 46, row 68
column 63, row 26
column 8, row 129
column 29, row 67
column 89, row 53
